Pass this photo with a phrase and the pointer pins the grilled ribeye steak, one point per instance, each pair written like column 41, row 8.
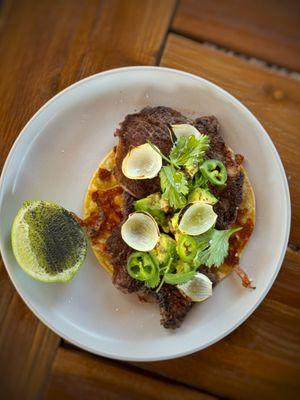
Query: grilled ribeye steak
column 153, row 124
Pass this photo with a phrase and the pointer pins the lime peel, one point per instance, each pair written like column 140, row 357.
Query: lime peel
column 47, row 241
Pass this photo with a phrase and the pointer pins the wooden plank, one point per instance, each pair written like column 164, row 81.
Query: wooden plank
column 265, row 29
column 274, row 99
column 78, row 375
column 286, row 288
column 53, row 44
column 261, row 359
column 27, row 347
column 258, row 360
column 45, row 46
column 234, row 372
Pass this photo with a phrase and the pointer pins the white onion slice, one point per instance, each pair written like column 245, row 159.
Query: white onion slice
column 140, row 231
column 142, row 162
column 198, row 218
column 185, row 130
column 198, row 288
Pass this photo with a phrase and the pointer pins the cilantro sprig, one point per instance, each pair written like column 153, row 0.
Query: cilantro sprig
column 171, row 274
column 184, row 160
column 213, row 246
column 174, row 186
column 188, row 152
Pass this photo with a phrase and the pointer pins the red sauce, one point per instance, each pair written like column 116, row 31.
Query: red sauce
column 239, row 239
column 106, row 200
column 104, row 174
column 93, row 224
column 239, row 159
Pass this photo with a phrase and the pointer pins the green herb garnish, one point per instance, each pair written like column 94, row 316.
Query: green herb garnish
column 198, row 181
column 179, row 277
column 188, row 152
column 184, row 179
column 174, row 186
column 213, row 246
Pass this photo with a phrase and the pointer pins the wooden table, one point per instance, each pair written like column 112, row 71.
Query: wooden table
column 47, row 45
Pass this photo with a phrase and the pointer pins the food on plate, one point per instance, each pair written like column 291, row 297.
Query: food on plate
column 169, row 210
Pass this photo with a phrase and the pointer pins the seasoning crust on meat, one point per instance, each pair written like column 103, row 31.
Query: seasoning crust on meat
column 153, row 124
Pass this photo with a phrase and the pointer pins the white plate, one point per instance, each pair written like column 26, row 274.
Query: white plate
column 54, row 158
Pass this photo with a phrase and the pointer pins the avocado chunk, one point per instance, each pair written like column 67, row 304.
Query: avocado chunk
column 151, row 204
column 204, row 195
column 165, row 249
column 173, row 223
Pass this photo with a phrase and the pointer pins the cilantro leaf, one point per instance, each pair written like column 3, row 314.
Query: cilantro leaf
column 199, row 181
column 188, row 152
column 174, row 186
column 213, row 246
column 179, row 277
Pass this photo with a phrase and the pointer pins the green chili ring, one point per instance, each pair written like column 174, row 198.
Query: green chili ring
column 187, row 248
column 141, row 266
column 214, row 171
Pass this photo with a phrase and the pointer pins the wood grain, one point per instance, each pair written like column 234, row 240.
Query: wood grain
column 234, row 372
column 27, row 347
column 274, row 100
column 45, row 46
column 286, row 288
column 266, row 29
column 260, row 359
column 78, row 375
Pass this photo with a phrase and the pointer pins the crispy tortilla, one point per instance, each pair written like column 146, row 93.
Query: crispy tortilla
column 101, row 184
column 246, row 216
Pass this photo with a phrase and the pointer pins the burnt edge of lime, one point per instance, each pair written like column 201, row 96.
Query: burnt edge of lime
column 56, row 238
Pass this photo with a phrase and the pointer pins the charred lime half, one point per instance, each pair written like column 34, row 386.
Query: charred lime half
column 47, row 241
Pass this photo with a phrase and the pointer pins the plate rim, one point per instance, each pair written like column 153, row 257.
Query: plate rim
column 226, row 332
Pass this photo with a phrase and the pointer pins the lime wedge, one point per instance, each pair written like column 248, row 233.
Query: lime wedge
column 47, row 241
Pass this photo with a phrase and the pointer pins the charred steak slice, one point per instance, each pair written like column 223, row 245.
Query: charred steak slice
column 165, row 115
column 229, row 200
column 173, row 306
column 128, row 207
column 149, row 124
column 218, row 149
column 230, row 196
column 119, row 252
